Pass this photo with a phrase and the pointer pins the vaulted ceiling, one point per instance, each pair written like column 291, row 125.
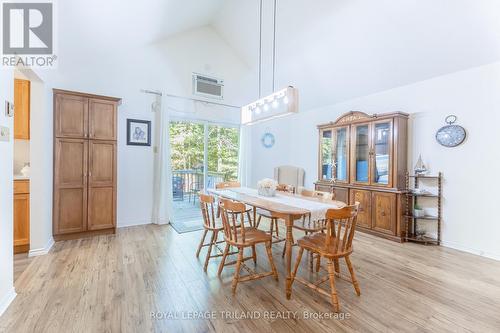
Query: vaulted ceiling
column 332, row 50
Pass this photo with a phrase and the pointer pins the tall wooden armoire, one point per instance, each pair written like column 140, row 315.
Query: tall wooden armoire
column 85, row 135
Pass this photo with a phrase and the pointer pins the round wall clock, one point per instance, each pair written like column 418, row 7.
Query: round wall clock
column 451, row 135
column 267, row 140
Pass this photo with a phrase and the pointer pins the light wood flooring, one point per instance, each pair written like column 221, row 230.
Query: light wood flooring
column 21, row 263
column 112, row 283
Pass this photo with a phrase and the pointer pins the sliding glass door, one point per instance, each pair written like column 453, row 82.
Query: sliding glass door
column 202, row 154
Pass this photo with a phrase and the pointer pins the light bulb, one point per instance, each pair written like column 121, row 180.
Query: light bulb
column 266, row 107
column 275, row 104
column 285, row 99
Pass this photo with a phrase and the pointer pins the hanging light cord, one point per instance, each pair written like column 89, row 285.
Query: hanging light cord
column 260, row 50
column 274, row 46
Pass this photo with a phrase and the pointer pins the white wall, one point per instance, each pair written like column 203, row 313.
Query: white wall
column 7, row 292
column 470, row 182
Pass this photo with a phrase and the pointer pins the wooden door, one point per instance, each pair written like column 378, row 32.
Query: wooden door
column 21, row 220
column 384, row 212
column 70, row 185
column 102, row 185
column 102, row 119
column 365, row 212
column 71, row 116
column 21, row 109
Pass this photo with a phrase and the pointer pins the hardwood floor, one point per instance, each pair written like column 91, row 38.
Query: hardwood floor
column 112, row 283
column 21, row 262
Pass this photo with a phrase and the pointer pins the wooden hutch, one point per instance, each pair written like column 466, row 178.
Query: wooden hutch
column 364, row 158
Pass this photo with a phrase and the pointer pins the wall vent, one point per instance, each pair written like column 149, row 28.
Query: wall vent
column 207, row 86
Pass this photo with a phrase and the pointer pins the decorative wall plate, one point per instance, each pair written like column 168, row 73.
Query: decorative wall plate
column 451, row 135
column 267, row 140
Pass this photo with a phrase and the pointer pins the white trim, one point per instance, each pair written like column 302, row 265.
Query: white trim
column 481, row 253
column 7, row 299
column 42, row 251
column 126, row 224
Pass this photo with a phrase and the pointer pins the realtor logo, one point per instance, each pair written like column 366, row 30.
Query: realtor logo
column 28, row 34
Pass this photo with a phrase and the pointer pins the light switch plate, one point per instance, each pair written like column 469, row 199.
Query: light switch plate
column 4, row 134
column 9, row 109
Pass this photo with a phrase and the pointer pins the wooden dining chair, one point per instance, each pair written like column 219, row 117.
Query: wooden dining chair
column 210, row 225
column 332, row 245
column 240, row 236
column 232, row 184
column 274, row 227
column 309, row 225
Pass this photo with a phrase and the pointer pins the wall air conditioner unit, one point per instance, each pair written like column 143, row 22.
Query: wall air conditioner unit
column 207, row 86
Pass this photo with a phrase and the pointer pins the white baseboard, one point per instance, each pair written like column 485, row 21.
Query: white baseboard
column 460, row 247
column 7, row 299
column 42, row 251
column 124, row 224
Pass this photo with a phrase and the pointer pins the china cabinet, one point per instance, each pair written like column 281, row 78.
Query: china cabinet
column 364, row 158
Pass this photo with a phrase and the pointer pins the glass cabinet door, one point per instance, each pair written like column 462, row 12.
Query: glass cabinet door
column 326, row 154
column 361, row 151
column 340, row 154
column 382, row 153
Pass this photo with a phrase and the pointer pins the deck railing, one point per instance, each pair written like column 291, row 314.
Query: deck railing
column 186, row 181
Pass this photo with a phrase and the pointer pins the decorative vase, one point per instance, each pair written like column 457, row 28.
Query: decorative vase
column 267, row 191
column 420, row 168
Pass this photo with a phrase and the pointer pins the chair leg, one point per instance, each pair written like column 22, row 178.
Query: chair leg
column 284, row 251
column 353, row 276
column 236, row 276
column 277, row 229
column 311, row 261
column 201, row 243
column 337, row 266
column 299, row 258
column 209, row 253
column 331, row 275
column 271, row 262
column 254, row 254
column 318, row 263
column 223, row 261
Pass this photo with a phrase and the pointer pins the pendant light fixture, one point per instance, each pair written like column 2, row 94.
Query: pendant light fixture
column 280, row 103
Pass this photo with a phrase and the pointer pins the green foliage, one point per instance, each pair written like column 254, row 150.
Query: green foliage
column 187, row 149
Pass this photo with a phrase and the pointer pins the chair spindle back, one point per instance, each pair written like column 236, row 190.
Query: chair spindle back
column 207, row 210
column 341, row 225
column 234, row 230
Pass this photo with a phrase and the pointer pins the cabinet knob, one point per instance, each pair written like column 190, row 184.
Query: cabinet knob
column 383, row 213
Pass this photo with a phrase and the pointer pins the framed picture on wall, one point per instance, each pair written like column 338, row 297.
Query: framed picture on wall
column 138, row 132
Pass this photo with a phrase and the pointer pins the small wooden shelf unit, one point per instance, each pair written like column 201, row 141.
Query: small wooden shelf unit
column 411, row 201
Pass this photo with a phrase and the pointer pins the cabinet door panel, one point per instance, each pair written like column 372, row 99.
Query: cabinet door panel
column 360, row 154
column 101, row 208
column 70, row 186
column 102, row 159
column 341, row 194
column 382, row 153
column 326, row 154
column 102, row 120
column 21, row 219
column 71, row 116
column 364, row 214
column 384, row 212
column 341, row 154
column 71, row 210
column 21, row 109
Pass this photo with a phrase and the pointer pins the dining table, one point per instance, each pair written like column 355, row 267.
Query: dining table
column 285, row 206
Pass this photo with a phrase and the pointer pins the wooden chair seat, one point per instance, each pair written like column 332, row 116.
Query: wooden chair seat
column 252, row 236
column 316, row 243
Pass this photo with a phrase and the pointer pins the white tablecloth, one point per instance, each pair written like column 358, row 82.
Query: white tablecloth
column 317, row 209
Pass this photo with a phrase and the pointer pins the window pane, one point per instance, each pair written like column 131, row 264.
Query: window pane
column 223, row 147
